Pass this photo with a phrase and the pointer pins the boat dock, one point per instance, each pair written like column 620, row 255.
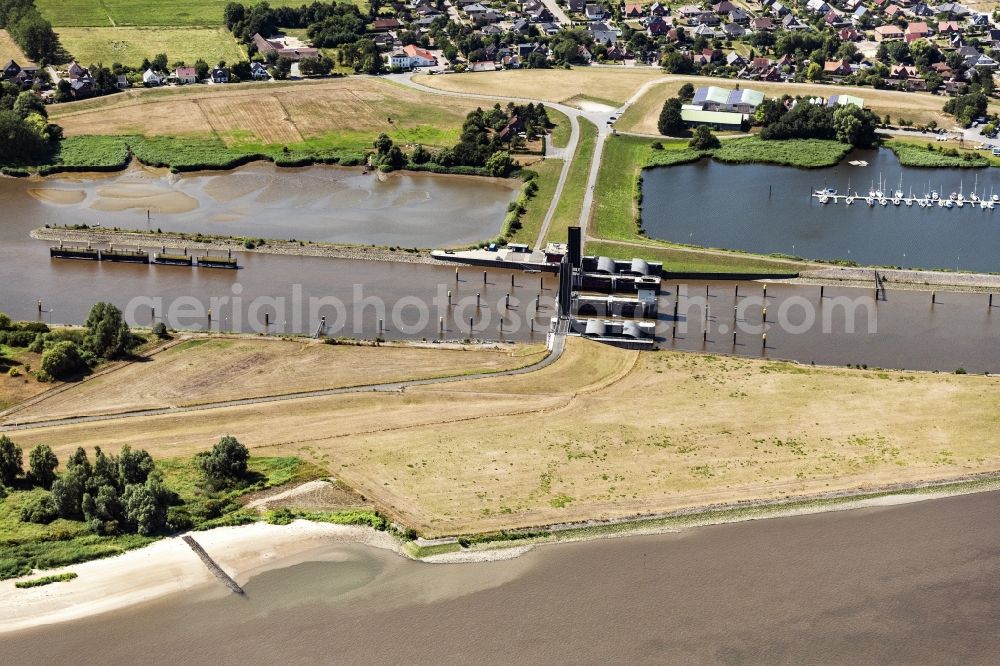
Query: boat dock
column 138, row 255
column 922, row 202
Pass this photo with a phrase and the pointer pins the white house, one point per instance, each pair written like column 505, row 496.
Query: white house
column 151, row 78
column 412, row 56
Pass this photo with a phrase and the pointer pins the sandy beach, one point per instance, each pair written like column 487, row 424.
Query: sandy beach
column 170, row 566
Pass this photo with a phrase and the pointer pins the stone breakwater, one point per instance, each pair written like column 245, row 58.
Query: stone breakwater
column 909, row 278
column 177, row 241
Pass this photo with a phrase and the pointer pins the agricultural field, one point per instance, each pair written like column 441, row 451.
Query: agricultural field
column 9, row 50
column 442, row 457
column 203, row 370
column 118, row 13
column 130, row 46
column 341, row 113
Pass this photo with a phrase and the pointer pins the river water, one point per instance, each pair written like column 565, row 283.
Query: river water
column 767, row 209
column 367, row 299
column 915, row 583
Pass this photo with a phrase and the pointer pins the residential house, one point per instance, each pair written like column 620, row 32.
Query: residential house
column 917, row 29
column 186, row 75
column 10, row 70
column 594, row 12
column 953, row 10
column 817, row 7
column 75, row 71
column 848, row 35
column 949, row 27
column 121, row 82
column 837, row 68
column 633, row 11
column 258, row 71
column 657, row 27
column 420, row 57
column 921, row 9
column 733, row 30
column 603, row 34
column 859, row 13
column 884, row 33
column 386, row 24
column 150, row 78
column 734, row 59
column 219, row 75
column 792, row 23
column 738, row 15
column 762, row 24
column 723, row 7
column 577, row 5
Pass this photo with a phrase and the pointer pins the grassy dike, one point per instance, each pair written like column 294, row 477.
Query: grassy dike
column 618, row 200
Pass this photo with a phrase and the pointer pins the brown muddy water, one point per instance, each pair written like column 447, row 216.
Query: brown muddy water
column 909, row 584
column 292, row 294
column 319, row 203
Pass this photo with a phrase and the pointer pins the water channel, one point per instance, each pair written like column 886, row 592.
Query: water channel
column 767, row 209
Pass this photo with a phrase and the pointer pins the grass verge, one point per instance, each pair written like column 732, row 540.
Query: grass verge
column 559, row 135
column 531, row 221
column 914, row 152
column 45, row 580
column 568, row 210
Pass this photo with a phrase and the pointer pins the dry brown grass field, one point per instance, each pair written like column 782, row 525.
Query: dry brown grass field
column 604, row 433
column 205, row 370
column 551, row 85
column 271, row 112
column 9, row 50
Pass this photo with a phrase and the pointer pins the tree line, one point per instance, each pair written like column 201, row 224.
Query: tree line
column 114, row 494
column 26, row 26
column 26, row 135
